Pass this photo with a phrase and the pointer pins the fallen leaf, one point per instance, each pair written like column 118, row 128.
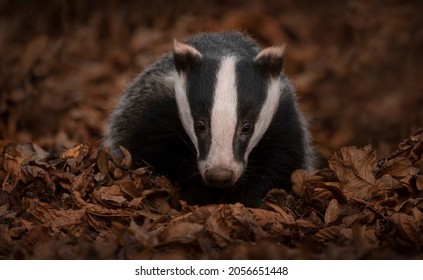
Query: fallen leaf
column 334, row 233
column 285, row 217
column 387, row 182
column 183, row 232
column 228, row 222
column 73, row 152
column 354, row 168
column 364, row 239
column 409, row 227
column 303, row 179
column 419, row 182
column 332, row 212
column 109, row 198
column 45, row 212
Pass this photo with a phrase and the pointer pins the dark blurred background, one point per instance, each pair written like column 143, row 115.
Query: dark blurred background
column 357, row 65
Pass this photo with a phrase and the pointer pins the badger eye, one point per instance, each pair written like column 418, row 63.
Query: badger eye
column 247, row 128
column 201, row 127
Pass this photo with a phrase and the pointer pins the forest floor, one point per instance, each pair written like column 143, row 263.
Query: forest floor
column 357, row 69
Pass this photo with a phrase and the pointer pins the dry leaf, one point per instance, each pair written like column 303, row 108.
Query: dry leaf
column 354, row 168
column 228, row 222
column 334, row 233
column 332, row 212
column 364, row 239
column 183, row 232
column 56, row 217
column 419, row 182
column 387, row 182
column 303, row 179
column 409, row 227
column 285, row 217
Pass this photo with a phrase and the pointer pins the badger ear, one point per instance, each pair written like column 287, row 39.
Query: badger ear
column 270, row 60
column 185, row 56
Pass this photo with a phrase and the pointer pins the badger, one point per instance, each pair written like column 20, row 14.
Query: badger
column 218, row 117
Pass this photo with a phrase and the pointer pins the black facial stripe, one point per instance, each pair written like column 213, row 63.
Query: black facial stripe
column 201, row 82
column 252, row 91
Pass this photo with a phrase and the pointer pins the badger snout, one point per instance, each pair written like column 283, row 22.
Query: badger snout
column 219, row 177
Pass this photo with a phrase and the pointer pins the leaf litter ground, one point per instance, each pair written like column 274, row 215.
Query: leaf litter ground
column 83, row 203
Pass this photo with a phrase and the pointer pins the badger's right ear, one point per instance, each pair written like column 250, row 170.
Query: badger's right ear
column 270, row 60
column 185, row 56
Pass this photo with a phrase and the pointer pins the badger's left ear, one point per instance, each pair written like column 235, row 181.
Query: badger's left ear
column 270, row 60
column 185, row 56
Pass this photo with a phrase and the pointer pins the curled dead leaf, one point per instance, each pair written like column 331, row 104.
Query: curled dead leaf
column 303, row 179
column 126, row 160
column 335, row 190
column 285, row 217
column 228, row 222
column 183, row 232
column 334, row 233
column 364, row 239
column 72, row 152
column 354, row 168
column 332, row 212
column 46, row 212
column 419, row 182
column 109, row 199
column 409, row 227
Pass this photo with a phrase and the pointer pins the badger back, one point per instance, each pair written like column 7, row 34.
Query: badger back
column 227, row 97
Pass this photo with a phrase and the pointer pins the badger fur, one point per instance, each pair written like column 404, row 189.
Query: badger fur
column 217, row 115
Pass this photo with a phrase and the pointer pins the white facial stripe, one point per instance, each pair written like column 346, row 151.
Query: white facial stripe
column 266, row 114
column 223, row 121
column 184, row 108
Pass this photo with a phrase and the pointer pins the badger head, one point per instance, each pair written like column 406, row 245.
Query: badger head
column 226, row 104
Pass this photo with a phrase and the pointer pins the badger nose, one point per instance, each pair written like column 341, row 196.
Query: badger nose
column 218, row 177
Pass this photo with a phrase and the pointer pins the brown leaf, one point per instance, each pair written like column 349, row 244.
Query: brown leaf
column 384, row 190
column 16, row 157
column 334, row 233
column 31, row 172
column 334, row 188
column 143, row 236
column 273, row 222
column 126, row 161
column 47, row 213
column 6, row 243
column 332, row 212
column 354, row 168
column 419, row 182
column 417, row 151
column 303, row 179
column 387, row 183
column 298, row 179
column 400, row 167
column 285, row 217
column 364, row 239
column 409, row 204
column 131, row 185
column 183, row 232
column 72, row 152
column 102, row 162
column 409, row 227
column 228, row 222
column 109, row 197
column 322, row 193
